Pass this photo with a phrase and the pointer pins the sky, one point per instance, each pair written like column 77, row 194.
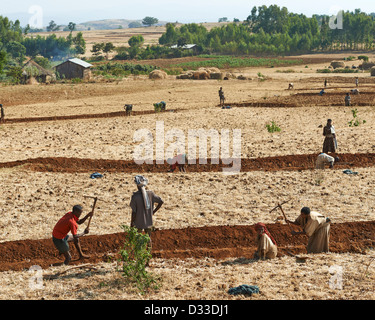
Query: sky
column 185, row 11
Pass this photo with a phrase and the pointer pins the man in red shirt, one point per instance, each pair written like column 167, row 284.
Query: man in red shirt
column 69, row 223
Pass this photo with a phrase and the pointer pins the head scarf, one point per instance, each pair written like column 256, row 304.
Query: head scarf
column 265, row 230
column 141, row 183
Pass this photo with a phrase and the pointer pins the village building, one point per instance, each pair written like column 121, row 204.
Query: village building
column 31, row 72
column 74, row 68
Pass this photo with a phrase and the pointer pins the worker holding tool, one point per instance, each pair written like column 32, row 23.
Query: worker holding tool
column 178, row 161
column 69, row 223
column 316, row 227
column 267, row 247
column 142, row 205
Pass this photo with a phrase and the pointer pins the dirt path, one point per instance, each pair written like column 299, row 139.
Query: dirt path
column 217, row 242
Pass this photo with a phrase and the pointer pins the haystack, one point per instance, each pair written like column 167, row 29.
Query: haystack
column 157, row 74
column 217, row 75
column 367, row 65
column 338, row 64
column 373, row 72
column 201, row 75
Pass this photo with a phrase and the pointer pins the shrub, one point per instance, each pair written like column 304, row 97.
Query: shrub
column 273, row 127
column 355, row 122
column 134, row 257
column 364, row 58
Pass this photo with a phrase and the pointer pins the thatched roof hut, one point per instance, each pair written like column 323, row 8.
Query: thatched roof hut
column 32, row 70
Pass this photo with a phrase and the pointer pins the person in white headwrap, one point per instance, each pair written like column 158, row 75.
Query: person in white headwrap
column 142, row 205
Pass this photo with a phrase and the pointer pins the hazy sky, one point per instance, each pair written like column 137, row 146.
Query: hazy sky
column 64, row 11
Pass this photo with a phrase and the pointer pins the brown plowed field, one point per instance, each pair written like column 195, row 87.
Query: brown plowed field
column 332, row 99
column 290, row 163
column 82, row 116
column 217, row 242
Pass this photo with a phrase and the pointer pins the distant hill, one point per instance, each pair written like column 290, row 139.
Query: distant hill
column 109, row 24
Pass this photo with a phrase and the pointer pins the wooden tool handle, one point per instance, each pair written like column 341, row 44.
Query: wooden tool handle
column 93, row 208
column 286, row 220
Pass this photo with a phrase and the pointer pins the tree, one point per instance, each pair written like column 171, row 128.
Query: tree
column 134, row 24
column 79, row 43
column 224, row 19
column 136, row 41
column 16, row 50
column 3, row 60
column 108, row 47
column 149, row 21
column 71, row 26
column 52, row 26
column 97, row 48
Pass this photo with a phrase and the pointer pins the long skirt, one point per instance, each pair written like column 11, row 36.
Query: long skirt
column 319, row 241
column 329, row 145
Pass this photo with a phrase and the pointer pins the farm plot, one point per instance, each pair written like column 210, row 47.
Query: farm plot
column 205, row 230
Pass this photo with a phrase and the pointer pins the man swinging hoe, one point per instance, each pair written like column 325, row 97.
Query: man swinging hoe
column 69, row 223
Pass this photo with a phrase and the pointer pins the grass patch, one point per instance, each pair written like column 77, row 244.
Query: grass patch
column 337, row 71
column 224, row 62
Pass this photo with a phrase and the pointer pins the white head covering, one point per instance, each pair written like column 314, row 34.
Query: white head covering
column 141, row 183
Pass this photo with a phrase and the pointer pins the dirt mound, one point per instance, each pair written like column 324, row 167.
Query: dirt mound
column 217, row 242
column 84, row 116
column 289, row 162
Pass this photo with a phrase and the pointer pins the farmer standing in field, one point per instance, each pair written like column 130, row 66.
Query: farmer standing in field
column 267, row 247
column 142, row 205
column 330, row 142
column 69, row 223
column 316, row 227
column 2, row 114
column 221, row 96
column 347, row 99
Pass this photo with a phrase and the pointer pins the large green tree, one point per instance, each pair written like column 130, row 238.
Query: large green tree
column 149, row 21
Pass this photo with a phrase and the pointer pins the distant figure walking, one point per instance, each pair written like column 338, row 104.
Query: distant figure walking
column 2, row 114
column 325, row 83
column 221, row 96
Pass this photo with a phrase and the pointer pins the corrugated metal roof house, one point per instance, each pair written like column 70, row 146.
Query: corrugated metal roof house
column 74, row 68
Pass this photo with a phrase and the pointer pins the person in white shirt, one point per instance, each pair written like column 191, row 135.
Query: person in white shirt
column 324, row 159
column 316, row 227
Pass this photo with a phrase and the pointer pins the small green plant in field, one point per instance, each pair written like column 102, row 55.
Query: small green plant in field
column 355, row 122
column 261, row 77
column 134, row 257
column 273, row 127
column 319, row 178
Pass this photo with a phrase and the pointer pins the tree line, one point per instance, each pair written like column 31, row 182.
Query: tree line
column 276, row 31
